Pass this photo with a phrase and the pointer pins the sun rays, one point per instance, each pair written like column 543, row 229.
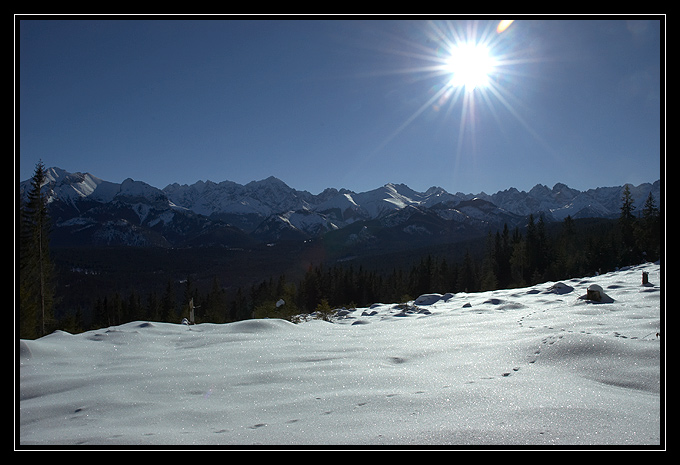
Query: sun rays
column 471, row 62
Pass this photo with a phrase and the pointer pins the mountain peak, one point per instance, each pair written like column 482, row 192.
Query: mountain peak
column 540, row 189
column 271, row 180
column 54, row 173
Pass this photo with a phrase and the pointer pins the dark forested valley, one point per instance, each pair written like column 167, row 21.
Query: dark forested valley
column 105, row 286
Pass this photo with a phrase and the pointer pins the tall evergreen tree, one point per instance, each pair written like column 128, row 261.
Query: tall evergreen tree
column 569, row 260
column 36, row 271
column 99, row 313
column 240, row 309
column 216, row 303
column 518, row 259
column 503, row 254
column 168, row 310
column 467, row 280
column 541, row 252
column 650, row 229
column 535, row 250
column 152, row 309
column 627, row 206
column 489, row 274
column 133, row 307
column 627, row 227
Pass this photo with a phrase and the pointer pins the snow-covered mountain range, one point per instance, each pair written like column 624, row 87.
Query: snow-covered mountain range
column 88, row 210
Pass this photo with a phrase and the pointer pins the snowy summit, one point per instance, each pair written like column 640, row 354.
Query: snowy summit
column 543, row 365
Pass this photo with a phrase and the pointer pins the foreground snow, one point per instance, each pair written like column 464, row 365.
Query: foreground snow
column 532, row 366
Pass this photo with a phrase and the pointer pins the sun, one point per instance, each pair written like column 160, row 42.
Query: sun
column 474, row 66
column 471, row 66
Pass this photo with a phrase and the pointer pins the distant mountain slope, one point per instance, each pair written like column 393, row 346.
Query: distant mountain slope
column 87, row 210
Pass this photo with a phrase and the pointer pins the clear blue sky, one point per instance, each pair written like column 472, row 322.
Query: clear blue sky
column 342, row 102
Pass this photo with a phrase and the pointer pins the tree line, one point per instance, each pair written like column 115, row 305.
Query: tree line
column 536, row 253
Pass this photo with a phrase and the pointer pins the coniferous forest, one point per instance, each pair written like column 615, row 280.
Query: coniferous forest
column 55, row 294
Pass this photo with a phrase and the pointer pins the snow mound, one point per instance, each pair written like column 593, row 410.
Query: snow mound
column 606, row 360
column 534, row 366
column 429, row 299
column 559, row 288
column 261, row 326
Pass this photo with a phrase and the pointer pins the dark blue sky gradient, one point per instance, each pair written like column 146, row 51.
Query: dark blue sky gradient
column 341, row 102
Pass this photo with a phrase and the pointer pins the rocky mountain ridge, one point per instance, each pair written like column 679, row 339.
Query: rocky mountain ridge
column 87, row 210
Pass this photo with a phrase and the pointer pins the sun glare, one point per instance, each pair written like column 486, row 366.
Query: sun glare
column 470, row 65
column 476, row 66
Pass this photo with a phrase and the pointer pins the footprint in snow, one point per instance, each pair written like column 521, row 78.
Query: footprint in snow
column 508, row 373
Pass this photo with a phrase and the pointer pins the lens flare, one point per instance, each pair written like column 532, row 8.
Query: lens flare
column 503, row 25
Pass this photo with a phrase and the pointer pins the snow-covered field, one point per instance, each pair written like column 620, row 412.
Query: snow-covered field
column 531, row 366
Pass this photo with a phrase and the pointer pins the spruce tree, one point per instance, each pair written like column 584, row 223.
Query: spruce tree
column 216, row 303
column 504, row 252
column 627, row 206
column 466, row 276
column 626, row 225
column 489, row 275
column 152, row 310
column 36, row 272
column 518, row 260
column 650, row 229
